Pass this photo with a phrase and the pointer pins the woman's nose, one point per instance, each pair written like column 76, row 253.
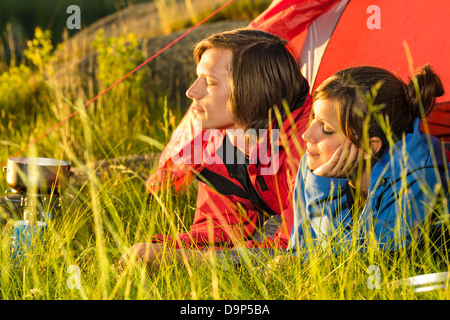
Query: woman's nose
column 308, row 135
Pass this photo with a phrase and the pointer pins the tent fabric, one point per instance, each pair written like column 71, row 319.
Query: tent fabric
column 355, row 41
column 289, row 18
column 421, row 25
column 180, row 158
column 316, row 41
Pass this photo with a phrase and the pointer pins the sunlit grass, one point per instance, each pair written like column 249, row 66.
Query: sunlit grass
column 110, row 215
column 106, row 214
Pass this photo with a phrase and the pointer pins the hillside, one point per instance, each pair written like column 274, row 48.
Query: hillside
column 170, row 73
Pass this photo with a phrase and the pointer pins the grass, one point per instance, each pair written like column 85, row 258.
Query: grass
column 93, row 235
column 108, row 215
column 104, row 214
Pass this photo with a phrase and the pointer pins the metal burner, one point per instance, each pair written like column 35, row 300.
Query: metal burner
column 15, row 205
column 36, row 184
column 33, row 200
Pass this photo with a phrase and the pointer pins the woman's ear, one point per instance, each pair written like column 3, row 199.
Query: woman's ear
column 375, row 146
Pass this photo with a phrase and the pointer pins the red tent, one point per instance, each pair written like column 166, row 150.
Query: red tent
column 329, row 35
column 346, row 33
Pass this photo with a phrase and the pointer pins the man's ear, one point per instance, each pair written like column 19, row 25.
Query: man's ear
column 375, row 146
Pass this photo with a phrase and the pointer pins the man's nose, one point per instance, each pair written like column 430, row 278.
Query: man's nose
column 195, row 90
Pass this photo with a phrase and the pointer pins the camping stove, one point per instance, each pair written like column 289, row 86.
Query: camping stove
column 32, row 213
column 33, row 200
column 33, row 207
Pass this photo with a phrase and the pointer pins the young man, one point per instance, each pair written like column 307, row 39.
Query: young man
column 248, row 82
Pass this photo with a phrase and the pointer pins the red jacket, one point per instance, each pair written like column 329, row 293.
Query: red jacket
column 232, row 196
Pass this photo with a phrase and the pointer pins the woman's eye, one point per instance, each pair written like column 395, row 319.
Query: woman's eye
column 327, row 131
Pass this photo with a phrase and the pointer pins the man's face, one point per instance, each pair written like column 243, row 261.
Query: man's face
column 211, row 91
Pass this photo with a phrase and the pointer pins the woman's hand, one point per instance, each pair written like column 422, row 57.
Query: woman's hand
column 343, row 162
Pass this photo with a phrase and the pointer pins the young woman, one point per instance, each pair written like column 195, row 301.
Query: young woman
column 370, row 175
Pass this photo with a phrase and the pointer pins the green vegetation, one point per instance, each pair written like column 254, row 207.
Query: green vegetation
column 106, row 213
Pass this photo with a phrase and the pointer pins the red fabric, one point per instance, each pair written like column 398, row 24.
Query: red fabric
column 281, row 185
column 438, row 122
column 423, row 26
column 353, row 43
column 181, row 157
column 289, row 18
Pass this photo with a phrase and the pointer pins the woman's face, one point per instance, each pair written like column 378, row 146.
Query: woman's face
column 324, row 135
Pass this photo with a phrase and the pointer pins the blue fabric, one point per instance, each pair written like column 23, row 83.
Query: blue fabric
column 402, row 187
